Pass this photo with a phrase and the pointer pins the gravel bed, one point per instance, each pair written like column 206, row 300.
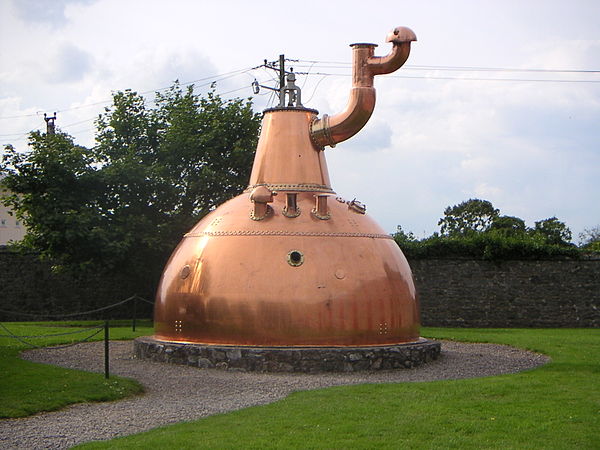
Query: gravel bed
column 180, row 393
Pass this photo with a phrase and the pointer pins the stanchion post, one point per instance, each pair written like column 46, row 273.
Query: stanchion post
column 106, row 368
column 134, row 313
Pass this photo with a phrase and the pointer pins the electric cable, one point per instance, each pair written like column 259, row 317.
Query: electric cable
column 212, row 80
column 344, row 64
column 315, row 89
column 536, row 80
column 218, row 77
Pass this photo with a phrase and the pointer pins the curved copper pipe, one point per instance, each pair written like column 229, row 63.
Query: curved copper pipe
column 331, row 130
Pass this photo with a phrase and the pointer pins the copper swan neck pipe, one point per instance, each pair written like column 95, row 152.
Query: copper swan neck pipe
column 331, row 130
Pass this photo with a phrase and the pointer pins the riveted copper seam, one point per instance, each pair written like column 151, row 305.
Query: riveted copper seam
column 293, row 187
column 287, row 233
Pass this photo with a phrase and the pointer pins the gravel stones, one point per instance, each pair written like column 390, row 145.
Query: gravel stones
column 180, row 393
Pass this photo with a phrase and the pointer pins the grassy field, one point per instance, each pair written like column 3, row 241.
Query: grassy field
column 27, row 388
column 556, row 406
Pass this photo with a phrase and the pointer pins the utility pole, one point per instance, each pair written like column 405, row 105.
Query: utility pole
column 50, row 127
column 281, row 81
column 290, row 89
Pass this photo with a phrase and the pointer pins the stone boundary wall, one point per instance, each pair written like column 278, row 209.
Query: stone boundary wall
column 30, row 285
column 453, row 292
column 474, row 293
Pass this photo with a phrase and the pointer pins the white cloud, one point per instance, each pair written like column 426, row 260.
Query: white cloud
column 51, row 13
column 376, row 135
column 530, row 147
column 69, row 64
column 484, row 190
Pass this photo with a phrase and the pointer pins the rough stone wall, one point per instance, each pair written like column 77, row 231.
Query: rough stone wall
column 471, row 293
column 29, row 285
column 453, row 292
column 282, row 359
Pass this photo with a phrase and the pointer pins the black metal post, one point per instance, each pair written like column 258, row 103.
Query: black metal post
column 106, row 374
column 281, row 81
column 134, row 313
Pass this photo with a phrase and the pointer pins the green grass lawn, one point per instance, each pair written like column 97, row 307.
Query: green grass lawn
column 555, row 406
column 27, row 388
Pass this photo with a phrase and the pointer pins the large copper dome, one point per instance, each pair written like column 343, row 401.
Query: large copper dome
column 288, row 262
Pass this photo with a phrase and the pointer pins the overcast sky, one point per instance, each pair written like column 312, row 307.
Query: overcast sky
column 440, row 133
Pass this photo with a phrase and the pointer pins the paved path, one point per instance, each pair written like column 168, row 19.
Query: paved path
column 176, row 393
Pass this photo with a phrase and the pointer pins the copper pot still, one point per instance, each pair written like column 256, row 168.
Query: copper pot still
column 288, row 262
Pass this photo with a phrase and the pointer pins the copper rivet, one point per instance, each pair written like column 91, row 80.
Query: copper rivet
column 340, row 274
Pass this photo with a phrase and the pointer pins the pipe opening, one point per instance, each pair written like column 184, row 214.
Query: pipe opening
column 295, row 258
column 320, row 211
column 329, row 131
column 291, row 208
column 260, row 197
column 260, row 211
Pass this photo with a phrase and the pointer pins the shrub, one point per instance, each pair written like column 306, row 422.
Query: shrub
column 491, row 245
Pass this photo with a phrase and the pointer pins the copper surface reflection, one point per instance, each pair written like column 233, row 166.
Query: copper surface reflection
column 288, row 262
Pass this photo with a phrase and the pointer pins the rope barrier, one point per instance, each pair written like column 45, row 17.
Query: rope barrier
column 144, row 300
column 58, row 347
column 23, row 341
column 98, row 329
column 63, row 316
column 46, row 335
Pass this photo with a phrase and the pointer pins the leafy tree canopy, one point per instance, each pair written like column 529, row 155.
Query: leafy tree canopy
column 402, row 237
column 154, row 172
column 508, row 225
column 553, row 231
column 470, row 216
column 474, row 228
column 589, row 239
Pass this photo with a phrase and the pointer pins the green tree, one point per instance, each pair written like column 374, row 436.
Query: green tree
column 589, row 239
column 553, row 231
column 122, row 206
column 470, row 216
column 475, row 229
column 49, row 187
column 401, row 236
column 508, row 226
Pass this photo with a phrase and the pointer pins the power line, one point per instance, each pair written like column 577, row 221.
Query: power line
column 434, row 77
column 11, row 135
column 16, row 137
column 344, row 64
column 212, row 79
column 23, row 115
column 498, row 69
